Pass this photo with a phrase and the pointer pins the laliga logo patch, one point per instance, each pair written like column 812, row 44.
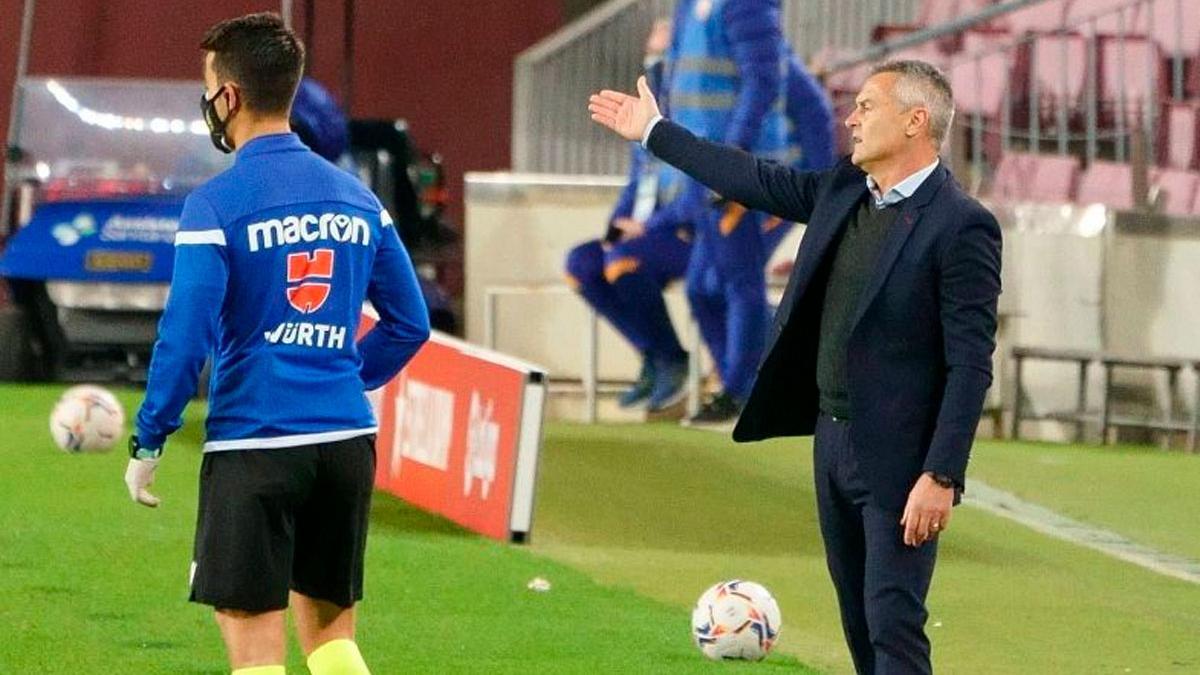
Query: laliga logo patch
column 69, row 234
column 483, row 442
column 308, row 296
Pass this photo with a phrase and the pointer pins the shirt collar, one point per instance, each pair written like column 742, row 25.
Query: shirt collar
column 902, row 190
column 270, row 143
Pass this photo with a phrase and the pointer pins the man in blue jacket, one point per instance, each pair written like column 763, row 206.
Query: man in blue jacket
column 646, row 246
column 728, row 79
column 273, row 260
column 882, row 345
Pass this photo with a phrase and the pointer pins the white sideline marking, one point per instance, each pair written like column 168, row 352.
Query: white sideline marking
column 1007, row 505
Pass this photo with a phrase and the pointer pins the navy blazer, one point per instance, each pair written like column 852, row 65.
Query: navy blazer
column 920, row 352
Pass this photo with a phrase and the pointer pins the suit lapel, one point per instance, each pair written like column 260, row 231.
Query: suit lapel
column 821, row 232
column 911, row 210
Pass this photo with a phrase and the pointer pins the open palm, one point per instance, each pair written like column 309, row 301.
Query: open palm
column 627, row 115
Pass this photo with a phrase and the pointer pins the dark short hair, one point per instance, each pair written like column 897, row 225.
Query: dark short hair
column 261, row 54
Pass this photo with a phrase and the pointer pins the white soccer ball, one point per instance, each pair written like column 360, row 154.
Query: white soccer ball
column 87, row 419
column 736, row 620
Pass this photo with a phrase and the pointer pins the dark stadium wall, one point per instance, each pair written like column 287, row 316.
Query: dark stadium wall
column 447, row 68
column 446, row 65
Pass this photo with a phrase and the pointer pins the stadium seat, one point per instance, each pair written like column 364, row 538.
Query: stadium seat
column 979, row 83
column 1104, row 17
column 1059, row 64
column 844, row 81
column 1173, row 24
column 926, row 51
column 968, row 7
column 1176, row 189
column 1109, row 183
column 1131, row 69
column 933, row 12
column 886, row 32
column 1178, row 134
column 1030, row 177
column 1041, row 17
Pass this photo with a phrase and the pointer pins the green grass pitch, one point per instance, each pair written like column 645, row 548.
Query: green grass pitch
column 632, row 523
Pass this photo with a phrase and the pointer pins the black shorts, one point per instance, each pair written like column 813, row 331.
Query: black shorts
column 280, row 519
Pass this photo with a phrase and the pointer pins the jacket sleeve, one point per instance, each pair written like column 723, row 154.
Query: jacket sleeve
column 757, row 46
column 403, row 317
column 758, row 184
column 969, row 288
column 187, row 329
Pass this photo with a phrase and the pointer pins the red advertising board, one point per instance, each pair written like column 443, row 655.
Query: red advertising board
column 459, row 434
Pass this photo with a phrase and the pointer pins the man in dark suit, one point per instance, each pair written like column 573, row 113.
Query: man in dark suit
column 882, row 344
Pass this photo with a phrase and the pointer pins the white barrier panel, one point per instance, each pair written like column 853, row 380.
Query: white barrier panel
column 460, row 429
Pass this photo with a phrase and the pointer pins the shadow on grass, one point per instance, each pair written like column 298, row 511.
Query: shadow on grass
column 663, row 488
column 393, row 514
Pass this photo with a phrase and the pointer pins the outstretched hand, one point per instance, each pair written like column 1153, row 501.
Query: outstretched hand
column 627, row 115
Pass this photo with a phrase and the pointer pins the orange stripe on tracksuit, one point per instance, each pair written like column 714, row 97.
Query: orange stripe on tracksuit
column 731, row 219
column 620, row 267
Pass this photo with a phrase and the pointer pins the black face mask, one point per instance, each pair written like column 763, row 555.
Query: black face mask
column 216, row 125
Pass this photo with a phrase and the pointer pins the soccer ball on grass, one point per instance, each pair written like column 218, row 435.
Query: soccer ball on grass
column 87, row 419
column 736, row 620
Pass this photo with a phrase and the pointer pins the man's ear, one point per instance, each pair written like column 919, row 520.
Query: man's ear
column 917, row 119
column 233, row 97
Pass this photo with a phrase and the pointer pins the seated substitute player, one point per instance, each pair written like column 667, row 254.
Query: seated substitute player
column 274, row 258
column 646, row 246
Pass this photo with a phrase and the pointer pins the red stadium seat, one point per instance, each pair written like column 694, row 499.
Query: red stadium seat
column 1132, row 68
column 968, row 7
column 1196, row 203
column 933, row 12
column 927, row 51
column 1174, row 24
column 1030, row 177
column 1059, row 64
column 1176, row 188
column 1106, row 17
column 1041, row 17
column 1109, row 183
column 1179, row 135
column 845, row 81
column 979, row 83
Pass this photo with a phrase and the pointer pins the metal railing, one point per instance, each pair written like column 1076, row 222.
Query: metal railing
column 1057, row 107
column 551, row 131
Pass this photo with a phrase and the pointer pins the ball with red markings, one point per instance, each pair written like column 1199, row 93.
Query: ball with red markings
column 736, row 620
column 87, row 419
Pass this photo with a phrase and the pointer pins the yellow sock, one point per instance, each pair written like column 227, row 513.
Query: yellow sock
column 261, row 670
column 337, row 657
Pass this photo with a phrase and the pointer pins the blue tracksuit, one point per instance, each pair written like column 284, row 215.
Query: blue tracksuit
column 273, row 259
column 623, row 280
column 729, row 79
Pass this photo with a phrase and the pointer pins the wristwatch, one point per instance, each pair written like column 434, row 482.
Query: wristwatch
column 942, row 479
column 136, row 451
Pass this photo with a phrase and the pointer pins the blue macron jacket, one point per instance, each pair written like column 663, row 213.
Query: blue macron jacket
column 273, row 259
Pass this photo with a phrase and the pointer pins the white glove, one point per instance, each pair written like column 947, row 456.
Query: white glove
column 139, row 475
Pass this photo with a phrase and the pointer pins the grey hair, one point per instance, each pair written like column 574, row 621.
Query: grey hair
column 922, row 84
